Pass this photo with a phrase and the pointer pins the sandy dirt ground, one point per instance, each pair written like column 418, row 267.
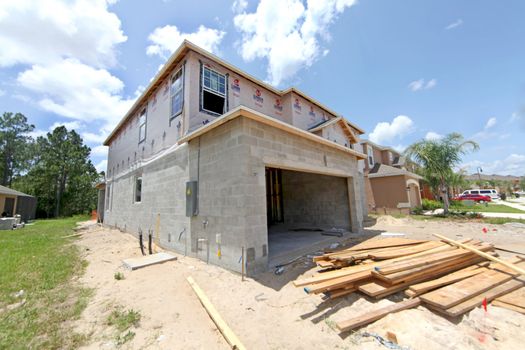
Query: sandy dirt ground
column 268, row 312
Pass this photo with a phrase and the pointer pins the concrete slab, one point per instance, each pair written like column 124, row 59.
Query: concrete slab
column 285, row 245
column 143, row 261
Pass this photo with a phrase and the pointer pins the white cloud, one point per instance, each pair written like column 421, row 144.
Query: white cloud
column 2, row 93
column 387, row 132
column 101, row 151
column 454, row 24
column 73, row 125
column 431, row 135
column 102, row 165
column 239, row 6
column 45, row 31
column 90, row 137
column 420, row 84
column 287, row 34
column 490, row 123
column 93, row 94
column 168, row 38
column 430, row 84
column 514, row 164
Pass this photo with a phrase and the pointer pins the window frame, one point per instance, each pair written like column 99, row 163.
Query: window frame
column 144, row 113
column 137, row 178
column 370, row 153
column 180, row 90
column 210, row 90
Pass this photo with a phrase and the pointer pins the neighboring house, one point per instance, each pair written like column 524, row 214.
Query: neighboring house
column 212, row 161
column 13, row 202
column 388, row 183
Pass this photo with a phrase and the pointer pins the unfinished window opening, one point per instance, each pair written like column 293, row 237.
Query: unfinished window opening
column 138, row 189
column 370, row 152
column 142, row 126
column 177, row 94
column 213, row 91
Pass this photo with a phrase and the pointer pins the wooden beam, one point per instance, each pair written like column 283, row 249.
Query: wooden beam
column 372, row 316
column 480, row 253
column 228, row 334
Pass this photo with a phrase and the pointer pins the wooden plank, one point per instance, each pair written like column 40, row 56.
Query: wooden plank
column 476, row 301
column 485, row 255
column 420, row 288
column 321, row 277
column 337, row 282
column 383, row 255
column 456, row 293
column 228, row 334
column 448, row 265
column 340, row 292
column 516, row 298
column 427, row 260
column 371, row 316
column 499, row 303
column 385, row 242
column 380, row 289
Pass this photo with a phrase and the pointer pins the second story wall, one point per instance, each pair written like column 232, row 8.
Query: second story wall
column 144, row 135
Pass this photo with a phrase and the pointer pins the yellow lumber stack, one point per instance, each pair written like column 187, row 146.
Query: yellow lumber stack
column 449, row 277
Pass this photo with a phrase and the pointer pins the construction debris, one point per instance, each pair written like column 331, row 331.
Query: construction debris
column 446, row 276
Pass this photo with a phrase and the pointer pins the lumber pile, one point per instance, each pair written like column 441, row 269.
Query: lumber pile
column 448, row 277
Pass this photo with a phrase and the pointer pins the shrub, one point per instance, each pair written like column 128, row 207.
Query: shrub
column 456, row 204
column 119, row 276
column 417, row 210
column 429, row 204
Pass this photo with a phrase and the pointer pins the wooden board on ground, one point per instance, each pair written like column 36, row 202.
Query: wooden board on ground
column 490, row 295
column 516, row 298
column 226, row 331
column 508, row 306
column 371, row 316
column 147, row 260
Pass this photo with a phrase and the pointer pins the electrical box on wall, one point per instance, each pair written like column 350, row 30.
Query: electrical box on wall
column 191, row 198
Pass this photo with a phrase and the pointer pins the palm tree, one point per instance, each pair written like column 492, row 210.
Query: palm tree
column 437, row 158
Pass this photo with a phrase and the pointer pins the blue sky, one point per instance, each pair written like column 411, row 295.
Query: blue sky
column 402, row 70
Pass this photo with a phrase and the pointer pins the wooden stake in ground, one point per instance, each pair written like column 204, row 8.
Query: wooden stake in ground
column 480, row 253
column 228, row 334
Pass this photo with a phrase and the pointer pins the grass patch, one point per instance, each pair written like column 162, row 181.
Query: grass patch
column 123, row 320
column 494, row 221
column 119, row 276
column 493, row 208
column 40, row 261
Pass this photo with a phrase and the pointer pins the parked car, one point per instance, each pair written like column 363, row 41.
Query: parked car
column 473, row 197
column 484, row 192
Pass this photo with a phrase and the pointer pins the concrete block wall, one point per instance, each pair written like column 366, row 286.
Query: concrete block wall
column 272, row 147
column 163, row 192
column 218, row 163
column 315, row 201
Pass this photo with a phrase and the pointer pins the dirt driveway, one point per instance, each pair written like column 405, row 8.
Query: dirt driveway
column 269, row 312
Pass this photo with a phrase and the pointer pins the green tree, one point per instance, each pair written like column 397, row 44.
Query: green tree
column 16, row 146
column 63, row 176
column 437, row 158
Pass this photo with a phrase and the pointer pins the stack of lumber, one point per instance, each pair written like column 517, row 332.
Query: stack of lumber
column 450, row 278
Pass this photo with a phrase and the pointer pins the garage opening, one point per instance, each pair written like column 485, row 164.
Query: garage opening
column 305, row 212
